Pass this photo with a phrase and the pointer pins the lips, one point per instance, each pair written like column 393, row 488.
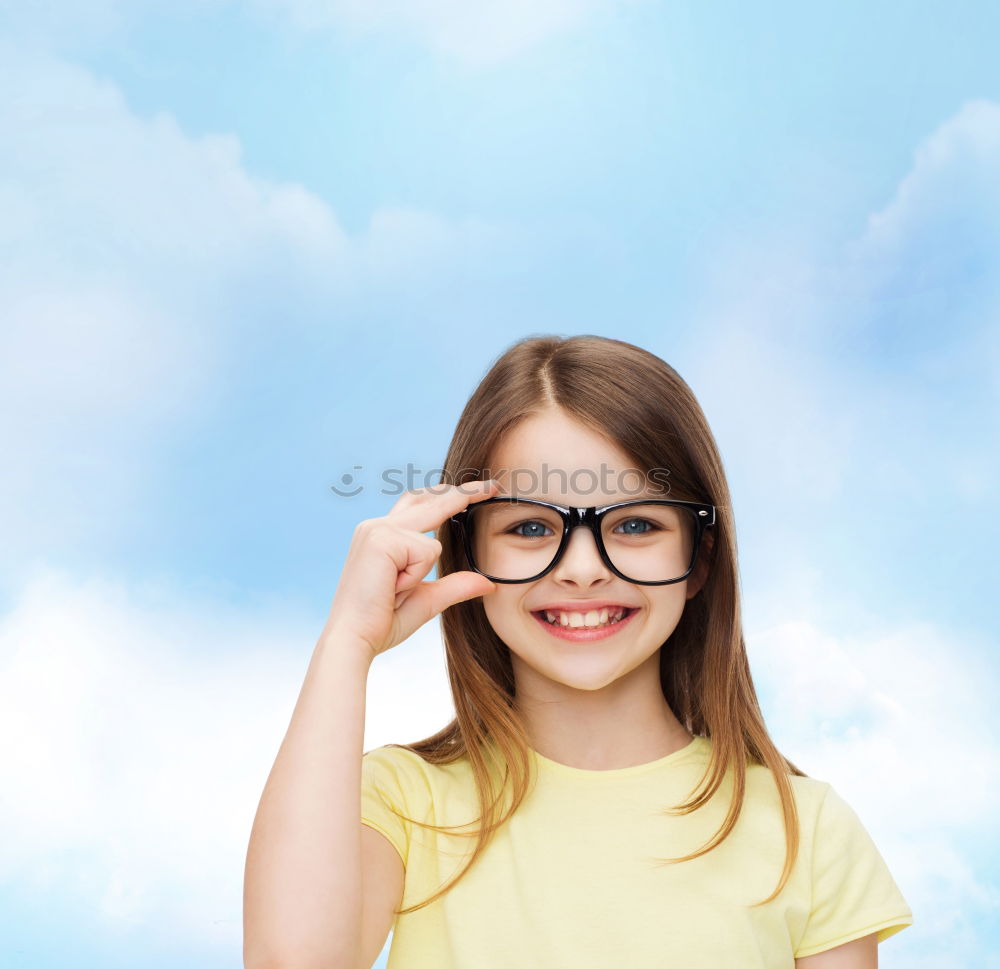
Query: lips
column 582, row 605
column 554, row 616
column 554, row 613
column 584, row 634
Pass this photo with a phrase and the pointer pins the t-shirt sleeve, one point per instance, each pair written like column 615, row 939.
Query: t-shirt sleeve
column 384, row 786
column 853, row 891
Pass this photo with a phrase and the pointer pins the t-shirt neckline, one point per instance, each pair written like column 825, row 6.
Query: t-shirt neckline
column 696, row 745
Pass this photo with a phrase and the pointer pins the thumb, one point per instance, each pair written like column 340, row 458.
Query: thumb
column 431, row 598
column 465, row 585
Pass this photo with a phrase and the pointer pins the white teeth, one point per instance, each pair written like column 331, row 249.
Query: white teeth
column 591, row 620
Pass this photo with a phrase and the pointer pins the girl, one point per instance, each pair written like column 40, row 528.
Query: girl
column 607, row 794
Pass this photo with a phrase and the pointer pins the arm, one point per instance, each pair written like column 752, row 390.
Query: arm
column 857, row 954
column 318, row 892
column 302, row 895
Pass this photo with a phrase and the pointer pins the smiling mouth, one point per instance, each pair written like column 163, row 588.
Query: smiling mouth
column 573, row 621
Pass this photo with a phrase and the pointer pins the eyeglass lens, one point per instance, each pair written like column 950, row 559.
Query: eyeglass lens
column 645, row 542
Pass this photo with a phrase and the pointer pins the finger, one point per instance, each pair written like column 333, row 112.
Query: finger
column 430, row 509
column 432, row 598
column 422, row 553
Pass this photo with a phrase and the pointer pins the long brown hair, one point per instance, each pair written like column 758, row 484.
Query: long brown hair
column 639, row 401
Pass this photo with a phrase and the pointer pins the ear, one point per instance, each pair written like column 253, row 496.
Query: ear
column 697, row 578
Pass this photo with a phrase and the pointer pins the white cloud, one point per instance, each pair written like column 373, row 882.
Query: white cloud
column 145, row 729
column 146, row 725
column 882, row 705
column 131, row 239
column 902, row 723
column 474, row 32
column 137, row 261
column 874, row 374
column 47, row 22
column 152, row 200
column 479, row 32
column 953, row 183
column 409, row 696
column 930, row 259
column 127, row 242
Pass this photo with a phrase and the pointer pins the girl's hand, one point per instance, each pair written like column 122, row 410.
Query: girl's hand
column 381, row 598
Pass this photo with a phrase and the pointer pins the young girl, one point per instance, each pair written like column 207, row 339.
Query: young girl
column 607, row 794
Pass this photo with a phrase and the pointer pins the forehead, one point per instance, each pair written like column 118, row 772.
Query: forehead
column 554, row 457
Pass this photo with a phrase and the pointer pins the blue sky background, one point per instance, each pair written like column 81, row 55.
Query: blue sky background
column 250, row 247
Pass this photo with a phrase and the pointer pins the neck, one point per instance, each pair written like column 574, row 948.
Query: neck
column 625, row 724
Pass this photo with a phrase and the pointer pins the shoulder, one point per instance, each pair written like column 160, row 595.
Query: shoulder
column 396, row 757
column 837, row 830
column 810, row 794
column 807, row 792
column 393, row 767
column 853, row 892
column 391, row 756
column 823, row 812
column 820, row 807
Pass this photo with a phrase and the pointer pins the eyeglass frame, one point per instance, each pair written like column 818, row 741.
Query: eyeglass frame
column 590, row 517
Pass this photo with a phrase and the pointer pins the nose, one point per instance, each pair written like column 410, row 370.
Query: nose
column 581, row 562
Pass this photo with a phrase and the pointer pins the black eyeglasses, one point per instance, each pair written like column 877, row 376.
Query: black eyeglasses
column 521, row 539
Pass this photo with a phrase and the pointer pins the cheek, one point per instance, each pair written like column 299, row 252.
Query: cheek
column 500, row 613
column 673, row 605
column 507, row 615
column 495, row 610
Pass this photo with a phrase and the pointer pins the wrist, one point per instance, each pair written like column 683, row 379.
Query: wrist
column 346, row 646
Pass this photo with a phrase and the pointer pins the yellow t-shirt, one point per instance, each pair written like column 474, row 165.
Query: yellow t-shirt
column 570, row 882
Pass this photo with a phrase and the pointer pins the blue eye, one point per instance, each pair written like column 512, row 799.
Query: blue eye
column 529, row 524
column 641, row 521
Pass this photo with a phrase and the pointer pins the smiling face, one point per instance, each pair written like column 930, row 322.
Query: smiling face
column 538, row 460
